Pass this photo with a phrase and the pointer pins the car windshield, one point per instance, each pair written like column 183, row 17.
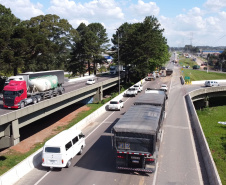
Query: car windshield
column 163, row 85
column 10, row 93
column 136, row 85
column 131, row 89
column 90, row 80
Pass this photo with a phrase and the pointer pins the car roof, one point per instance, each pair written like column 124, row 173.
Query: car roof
column 63, row 137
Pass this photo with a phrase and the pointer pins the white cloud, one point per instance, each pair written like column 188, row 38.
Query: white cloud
column 23, row 9
column 142, row 9
column 215, row 5
column 93, row 11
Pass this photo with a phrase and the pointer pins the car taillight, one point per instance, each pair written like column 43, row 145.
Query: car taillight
column 43, row 160
column 62, row 161
column 149, row 159
column 120, row 157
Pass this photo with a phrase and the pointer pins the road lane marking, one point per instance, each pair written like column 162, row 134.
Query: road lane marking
column 179, row 127
column 42, row 178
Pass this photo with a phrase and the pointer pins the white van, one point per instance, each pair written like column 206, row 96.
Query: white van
column 59, row 150
column 211, row 83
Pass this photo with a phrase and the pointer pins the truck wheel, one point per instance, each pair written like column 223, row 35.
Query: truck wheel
column 81, row 150
column 22, row 105
column 35, row 100
column 68, row 163
column 51, row 95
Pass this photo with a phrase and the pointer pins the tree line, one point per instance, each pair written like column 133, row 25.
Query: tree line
column 47, row 42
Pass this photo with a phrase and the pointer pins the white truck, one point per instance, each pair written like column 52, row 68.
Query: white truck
column 115, row 69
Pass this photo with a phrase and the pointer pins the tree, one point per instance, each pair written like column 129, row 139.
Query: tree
column 59, row 34
column 101, row 39
column 142, row 46
column 87, row 47
column 8, row 22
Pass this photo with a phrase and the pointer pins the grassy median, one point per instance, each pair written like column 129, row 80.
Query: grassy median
column 196, row 75
column 215, row 134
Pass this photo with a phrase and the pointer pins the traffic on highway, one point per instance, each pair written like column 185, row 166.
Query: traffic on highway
column 177, row 157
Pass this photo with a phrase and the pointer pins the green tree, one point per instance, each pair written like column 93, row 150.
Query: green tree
column 59, row 34
column 142, row 46
column 8, row 23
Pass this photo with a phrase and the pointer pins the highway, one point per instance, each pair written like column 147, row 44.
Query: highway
column 177, row 164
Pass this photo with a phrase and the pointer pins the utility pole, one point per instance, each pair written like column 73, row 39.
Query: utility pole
column 118, row 65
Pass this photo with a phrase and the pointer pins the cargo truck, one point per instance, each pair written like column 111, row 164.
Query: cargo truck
column 136, row 136
column 32, row 87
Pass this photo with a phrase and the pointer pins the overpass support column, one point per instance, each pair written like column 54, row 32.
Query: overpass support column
column 99, row 95
column 16, row 134
column 5, row 140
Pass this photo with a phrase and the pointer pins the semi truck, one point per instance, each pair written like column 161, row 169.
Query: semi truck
column 116, row 68
column 136, row 136
column 32, row 87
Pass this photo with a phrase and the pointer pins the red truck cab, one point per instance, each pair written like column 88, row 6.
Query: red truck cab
column 14, row 93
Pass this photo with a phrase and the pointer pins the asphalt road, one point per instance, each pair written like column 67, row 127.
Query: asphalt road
column 177, row 165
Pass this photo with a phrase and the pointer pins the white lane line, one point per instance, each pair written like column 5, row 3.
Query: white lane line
column 100, row 124
column 155, row 176
column 193, row 145
column 42, row 178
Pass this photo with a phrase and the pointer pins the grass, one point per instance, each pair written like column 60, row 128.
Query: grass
column 187, row 62
column 196, row 75
column 215, row 134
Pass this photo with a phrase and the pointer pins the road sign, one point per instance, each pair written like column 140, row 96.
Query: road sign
column 187, row 77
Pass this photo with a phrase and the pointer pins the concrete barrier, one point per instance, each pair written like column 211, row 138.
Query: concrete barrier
column 213, row 176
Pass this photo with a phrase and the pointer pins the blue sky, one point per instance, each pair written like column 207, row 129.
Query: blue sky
column 196, row 22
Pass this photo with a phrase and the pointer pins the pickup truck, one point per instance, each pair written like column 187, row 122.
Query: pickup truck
column 131, row 92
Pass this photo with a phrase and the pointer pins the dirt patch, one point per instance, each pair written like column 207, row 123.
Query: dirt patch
column 25, row 145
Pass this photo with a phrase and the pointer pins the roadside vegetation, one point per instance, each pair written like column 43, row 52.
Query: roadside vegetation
column 196, row 75
column 215, row 134
column 187, row 62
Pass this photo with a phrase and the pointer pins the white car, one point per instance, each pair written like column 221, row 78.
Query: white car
column 131, row 92
column 115, row 105
column 211, row 83
column 90, row 81
column 138, row 87
column 164, row 87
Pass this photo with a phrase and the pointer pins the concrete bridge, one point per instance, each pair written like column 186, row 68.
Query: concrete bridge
column 11, row 123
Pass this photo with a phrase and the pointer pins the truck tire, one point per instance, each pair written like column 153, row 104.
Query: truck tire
column 22, row 105
column 68, row 163
column 35, row 100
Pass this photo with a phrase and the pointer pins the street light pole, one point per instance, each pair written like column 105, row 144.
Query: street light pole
column 118, row 64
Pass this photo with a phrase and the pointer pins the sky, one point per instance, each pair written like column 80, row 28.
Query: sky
column 185, row 22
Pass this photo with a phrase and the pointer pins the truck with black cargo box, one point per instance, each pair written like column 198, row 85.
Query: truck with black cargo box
column 136, row 136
